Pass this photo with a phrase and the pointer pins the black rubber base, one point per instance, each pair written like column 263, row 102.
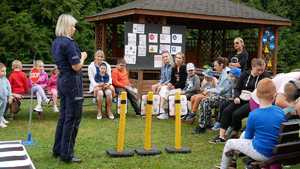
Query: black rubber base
column 174, row 150
column 125, row 153
column 152, row 152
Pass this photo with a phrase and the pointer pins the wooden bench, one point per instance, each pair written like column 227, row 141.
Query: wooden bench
column 48, row 67
column 287, row 151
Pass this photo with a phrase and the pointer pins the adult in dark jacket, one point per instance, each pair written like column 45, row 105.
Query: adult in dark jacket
column 69, row 60
column 241, row 57
column 240, row 105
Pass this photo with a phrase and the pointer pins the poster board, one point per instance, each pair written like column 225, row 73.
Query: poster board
column 145, row 42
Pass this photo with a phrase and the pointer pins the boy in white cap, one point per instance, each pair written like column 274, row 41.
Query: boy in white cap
column 192, row 85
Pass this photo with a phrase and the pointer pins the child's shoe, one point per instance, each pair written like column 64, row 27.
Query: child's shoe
column 55, row 109
column 111, row 116
column 38, row 108
column 2, row 124
column 4, row 120
column 99, row 116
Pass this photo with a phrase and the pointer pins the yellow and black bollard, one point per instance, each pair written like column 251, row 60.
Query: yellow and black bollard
column 148, row 149
column 120, row 152
column 178, row 148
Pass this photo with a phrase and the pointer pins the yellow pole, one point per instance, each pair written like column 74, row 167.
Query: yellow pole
column 177, row 121
column 148, row 125
column 121, row 132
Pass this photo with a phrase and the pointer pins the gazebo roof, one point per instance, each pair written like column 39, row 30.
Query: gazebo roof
column 212, row 10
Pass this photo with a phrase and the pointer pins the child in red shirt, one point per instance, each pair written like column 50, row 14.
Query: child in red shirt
column 19, row 85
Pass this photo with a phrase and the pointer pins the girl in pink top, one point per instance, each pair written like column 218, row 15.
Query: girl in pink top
column 52, row 88
column 40, row 85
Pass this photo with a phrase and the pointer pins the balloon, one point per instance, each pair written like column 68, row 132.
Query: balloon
column 272, row 46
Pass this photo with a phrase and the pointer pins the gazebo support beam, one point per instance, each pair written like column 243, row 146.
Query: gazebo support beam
column 260, row 36
column 274, row 58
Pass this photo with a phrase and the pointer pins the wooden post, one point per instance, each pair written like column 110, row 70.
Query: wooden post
column 260, row 36
column 199, row 58
column 224, row 44
column 114, row 41
column 103, row 37
column 98, row 35
column 274, row 57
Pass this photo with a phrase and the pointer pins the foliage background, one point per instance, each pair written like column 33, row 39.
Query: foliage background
column 27, row 27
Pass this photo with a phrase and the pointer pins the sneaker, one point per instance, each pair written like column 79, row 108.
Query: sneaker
column 47, row 101
column 198, row 130
column 217, row 140
column 55, row 109
column 163, row 116
column 183, row 117
column 190, row 116
column 216, row 126
column 217, row 167
column 99, row 116
column 228, row 131
column 111, row 116
column 2, row 125
column 4, row 120
column 38, row 108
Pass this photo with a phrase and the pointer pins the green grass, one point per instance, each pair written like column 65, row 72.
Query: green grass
column 96, row 136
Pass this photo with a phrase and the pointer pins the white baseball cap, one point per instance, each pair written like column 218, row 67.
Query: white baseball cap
column 190, row 66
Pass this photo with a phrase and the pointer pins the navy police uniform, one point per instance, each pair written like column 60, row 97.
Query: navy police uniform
column 65, row 54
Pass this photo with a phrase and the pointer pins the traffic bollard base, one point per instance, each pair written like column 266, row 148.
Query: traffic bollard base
column 151, row 152
column 181, row 150
column 125, row 153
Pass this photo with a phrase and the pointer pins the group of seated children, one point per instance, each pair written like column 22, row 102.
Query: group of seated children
column 18, row 85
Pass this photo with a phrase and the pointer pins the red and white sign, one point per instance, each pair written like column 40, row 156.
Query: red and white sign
column 153, row 37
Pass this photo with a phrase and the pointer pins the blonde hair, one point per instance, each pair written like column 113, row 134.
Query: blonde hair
column 2, row 66
column 240, row 40
column 99, row 52
column 38, row 63
column 170, row 57
column 266, row 89
column 16, row 64
column 64, row 22
column 182, row 55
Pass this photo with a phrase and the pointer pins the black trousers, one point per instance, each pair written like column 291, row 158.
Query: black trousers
column 238, row 116
column 232, row 108
column 71, row 99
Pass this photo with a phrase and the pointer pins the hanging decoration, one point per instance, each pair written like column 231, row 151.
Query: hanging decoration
column 268, row 43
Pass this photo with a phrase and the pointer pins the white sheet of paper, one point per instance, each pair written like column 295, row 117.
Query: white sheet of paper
column 138, row 28
column 130, row 59
column 166, row 30
column 131, row 39
column 142, row 40
column 164, row 48
column 130, row 50
column 175, row 49
column 153, row 48
column 164, row 38
column 153, row 37
column 157, row 61
column 176, row 38
column 142, row 50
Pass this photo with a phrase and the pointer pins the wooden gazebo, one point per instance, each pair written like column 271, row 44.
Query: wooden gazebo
column 207, row 22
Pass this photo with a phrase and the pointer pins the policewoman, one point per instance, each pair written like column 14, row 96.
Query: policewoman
column 69, row 60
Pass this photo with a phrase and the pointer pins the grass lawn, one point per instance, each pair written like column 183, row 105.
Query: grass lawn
column 96, row 136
